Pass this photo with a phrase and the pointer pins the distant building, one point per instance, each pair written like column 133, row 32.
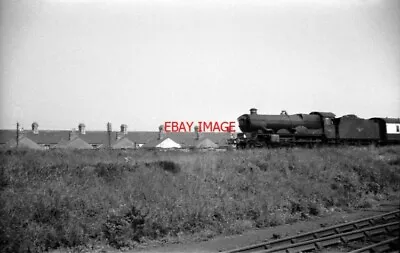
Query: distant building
column 165, row 143
column 123, row 143
column 23, row 142
column 74, row 143
column 83, row 138
column 205, row 144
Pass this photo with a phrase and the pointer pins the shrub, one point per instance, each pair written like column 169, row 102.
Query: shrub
column 169, row 166
column 124, row 229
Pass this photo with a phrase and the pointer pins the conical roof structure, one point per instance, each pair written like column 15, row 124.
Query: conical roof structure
column 76, row 143
column 123, row 143
column 205, row 143
column 163, row 143
column 23, row 142
column 61, row 144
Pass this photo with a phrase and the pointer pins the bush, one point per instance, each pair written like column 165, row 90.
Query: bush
column 169, row 166
column 123, row 230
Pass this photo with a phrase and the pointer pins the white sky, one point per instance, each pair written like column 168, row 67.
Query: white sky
column 145, row 62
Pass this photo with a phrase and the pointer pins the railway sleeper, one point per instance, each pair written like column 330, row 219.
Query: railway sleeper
column 348, row 228
column 353, row 237
column 377, row 239
column 383, row 246
column 306, row 237
column 278, row 243
column 390, row 217
column 302, row 248
column 330, row 242
column 364, row 224
column 374, row 232
column 326, row 233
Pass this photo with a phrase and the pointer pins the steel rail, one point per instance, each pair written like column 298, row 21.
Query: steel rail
column 320, row 233
column 386, row 243
column 336, row 239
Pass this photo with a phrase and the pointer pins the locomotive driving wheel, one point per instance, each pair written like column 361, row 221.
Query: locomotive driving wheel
column 251, row 145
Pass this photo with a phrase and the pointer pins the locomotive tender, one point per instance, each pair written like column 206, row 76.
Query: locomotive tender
column 316, row 127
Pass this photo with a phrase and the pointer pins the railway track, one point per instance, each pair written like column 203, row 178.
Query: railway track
column 382, row 230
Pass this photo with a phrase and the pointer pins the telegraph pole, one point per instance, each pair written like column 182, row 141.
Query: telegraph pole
column 109, row 134
column 17, row 133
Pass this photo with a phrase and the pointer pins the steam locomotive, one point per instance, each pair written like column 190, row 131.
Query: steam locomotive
column 314, row 128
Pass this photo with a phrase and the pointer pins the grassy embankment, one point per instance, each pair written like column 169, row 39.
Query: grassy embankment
column 80, row 198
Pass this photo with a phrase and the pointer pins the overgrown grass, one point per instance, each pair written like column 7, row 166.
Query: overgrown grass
column 59, row 198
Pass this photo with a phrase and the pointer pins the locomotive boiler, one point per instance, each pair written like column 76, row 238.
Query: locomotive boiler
column 274, row 123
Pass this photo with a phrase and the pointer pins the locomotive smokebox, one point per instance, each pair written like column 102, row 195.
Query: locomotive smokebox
column 254, row 122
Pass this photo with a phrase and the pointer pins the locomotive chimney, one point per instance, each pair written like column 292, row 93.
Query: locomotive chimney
column 253, row 111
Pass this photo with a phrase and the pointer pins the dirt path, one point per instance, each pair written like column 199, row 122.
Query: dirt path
column 257, row 236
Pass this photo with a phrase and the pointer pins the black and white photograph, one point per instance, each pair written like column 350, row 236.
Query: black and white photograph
column 199, row 126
